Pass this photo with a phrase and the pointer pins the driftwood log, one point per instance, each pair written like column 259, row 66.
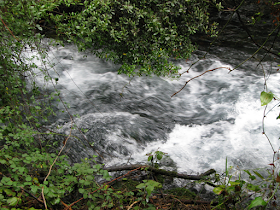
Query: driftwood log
column 161, row 171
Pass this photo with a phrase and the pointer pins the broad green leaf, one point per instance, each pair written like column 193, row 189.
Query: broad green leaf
column 159, row 156
column 81, row 190
column 149, row 190
column 106, row 175
column 56, row 201
column 3, row 161
column 266, row 98
column 13, row 201
column 34, row 188
column 218, row 190
column 154, row 183
column 234, row 183
column 142, row 185
column 28, row 178
column 5, row 180
column 257, row 202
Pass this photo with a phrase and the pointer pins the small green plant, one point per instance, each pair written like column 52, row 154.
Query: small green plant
column 254, row 191
column 149, row 186
column 260, row 186
column 155, row 157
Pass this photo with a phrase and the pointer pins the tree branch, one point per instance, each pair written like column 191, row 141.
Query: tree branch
column 248, row 33
column 199, row 76
column 9, row 29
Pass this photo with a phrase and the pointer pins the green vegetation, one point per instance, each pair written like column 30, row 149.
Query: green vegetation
column 140, row 35
column 256, row 190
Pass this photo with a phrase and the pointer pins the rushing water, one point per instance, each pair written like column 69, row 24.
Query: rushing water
column 216, row 116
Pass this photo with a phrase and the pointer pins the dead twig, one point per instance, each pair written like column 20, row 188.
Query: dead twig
column 132, row 205
column 44, row 200
column 64, row 144
column 64, row 204
column 199, row 76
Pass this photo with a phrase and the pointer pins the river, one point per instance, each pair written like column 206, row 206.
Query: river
column 216, row 116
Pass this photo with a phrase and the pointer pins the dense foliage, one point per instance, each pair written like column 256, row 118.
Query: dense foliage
column 142, row 35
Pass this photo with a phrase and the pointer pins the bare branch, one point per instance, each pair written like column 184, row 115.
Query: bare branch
column 200, row 76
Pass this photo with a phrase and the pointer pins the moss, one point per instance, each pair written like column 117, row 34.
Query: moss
column 126, row 184
column 159, row 178
column 182, row 193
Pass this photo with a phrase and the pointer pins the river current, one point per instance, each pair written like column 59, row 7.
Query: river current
column 216, row 116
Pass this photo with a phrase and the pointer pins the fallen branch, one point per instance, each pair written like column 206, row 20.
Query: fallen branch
column 132, row 168
column 161, row 171
column 191, row 201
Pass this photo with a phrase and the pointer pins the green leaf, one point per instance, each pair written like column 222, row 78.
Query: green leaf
column 266, row 98
column 252, row 177
column 234, row 183
column 142, row 185
column 258, row 174
column 248, row 172
column 159, row 155
column 3, row 161
column 13, row 201
column 218, row 190
column 28, row 178
column 154, row 183
column 81, row 190
column 34, row 188
column 106, row 175
column 39, row 27
column 257, row 202
column 149, row 190
column 5, row 179
column 56, row 201
column 252, row 187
